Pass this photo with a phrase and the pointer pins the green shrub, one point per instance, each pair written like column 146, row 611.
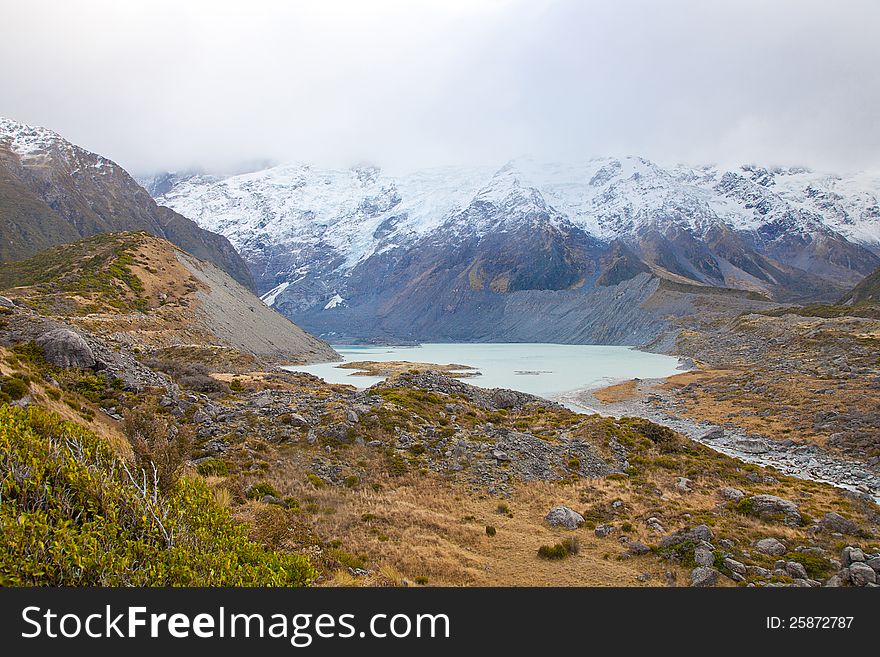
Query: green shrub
column 559, row 551
column 75, row 518
column 291, row 503
column 490, row 531
column 817, row 566
column 259, row 490
column 347, row 559
column 351, row 481
column 421, row 580
column 213, row 467
column 13, row 387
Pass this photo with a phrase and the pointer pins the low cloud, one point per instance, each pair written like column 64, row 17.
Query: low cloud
column 217, row 84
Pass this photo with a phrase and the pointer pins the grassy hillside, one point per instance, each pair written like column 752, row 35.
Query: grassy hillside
column 91, row 275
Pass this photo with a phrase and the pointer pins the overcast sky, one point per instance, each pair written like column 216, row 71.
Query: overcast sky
column 159, row 85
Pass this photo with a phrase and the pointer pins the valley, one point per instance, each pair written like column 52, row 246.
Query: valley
column 737, row 445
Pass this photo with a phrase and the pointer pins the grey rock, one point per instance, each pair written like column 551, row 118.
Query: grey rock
column 834, row 581
column 861, row 574
column 702, row 576
column 604, row 530
column 874, row 563
column 64, row 348
column 637, row 548
column 735, row 566
column 796, row 570
column 704, row 556
column 850, row 555
column 771, row 546
column 834, row 522
column 352, row 416
column 297, row 420
column 730, row 493
column 683, row 485
column 271, row 499
column 562, row 516
column 692, row 535
column 770, row 507
column 757, row 571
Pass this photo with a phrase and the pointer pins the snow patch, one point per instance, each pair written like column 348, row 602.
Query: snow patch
column 271, row 295
column 335, row 300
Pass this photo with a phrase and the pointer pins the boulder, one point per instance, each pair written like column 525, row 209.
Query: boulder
column 735, row 566
column 834, row 522
column 851, row 555
column 502, row 398
column 297, row 420
column 770, row 507
column 683, row 485
column 796, row 570
column 637, row 548
column 687, row 535
column 65, row 348
column 771, row 546
column 861, row 574
column 702, row 576
column 730, row 493
column 703, row 556
column 562, row 516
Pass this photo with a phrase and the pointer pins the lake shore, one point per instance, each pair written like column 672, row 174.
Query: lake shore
column 648, row 399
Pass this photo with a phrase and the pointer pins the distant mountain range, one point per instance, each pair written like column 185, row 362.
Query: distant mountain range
column 561, row 252
column 53, row 192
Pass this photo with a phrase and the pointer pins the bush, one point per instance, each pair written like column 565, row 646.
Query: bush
column 490, row 531
column 664, row 438
column 160, row 448
column 260, row 490
column 213, row 467
column 560, row 550
column 76, row 518
column 13, row 388
column 193, row 376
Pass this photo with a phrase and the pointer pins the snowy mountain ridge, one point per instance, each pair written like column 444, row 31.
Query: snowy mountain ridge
column 361, row 211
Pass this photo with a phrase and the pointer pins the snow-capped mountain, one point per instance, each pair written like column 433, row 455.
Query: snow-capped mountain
column 363, row 252
column 52, row 192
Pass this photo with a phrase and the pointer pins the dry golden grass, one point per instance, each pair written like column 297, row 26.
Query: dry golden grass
column 785, row 410
column 619, row 392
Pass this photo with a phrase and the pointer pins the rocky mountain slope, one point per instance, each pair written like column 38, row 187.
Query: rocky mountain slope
column 143, row 290
column 472, row 253
column 53, row 192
